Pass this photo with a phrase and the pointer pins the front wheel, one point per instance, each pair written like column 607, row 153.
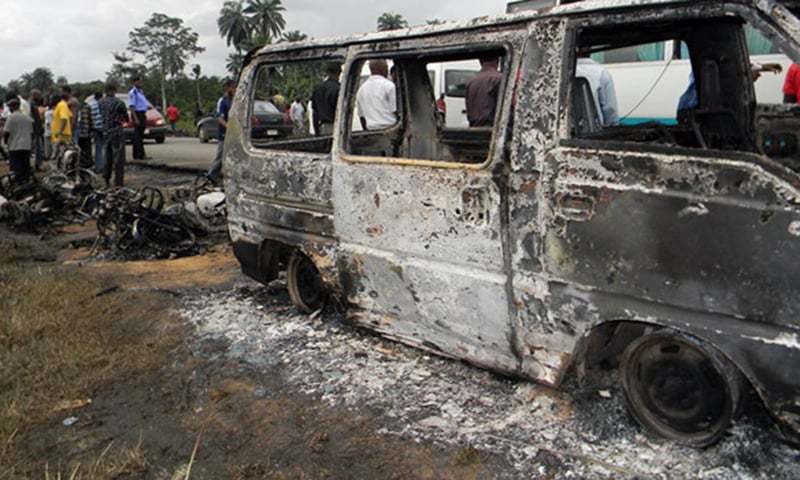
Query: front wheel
column 305, row 284
column 161, row 139
column 680, row 389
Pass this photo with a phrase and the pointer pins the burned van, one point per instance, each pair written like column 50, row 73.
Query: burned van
column 557, row 231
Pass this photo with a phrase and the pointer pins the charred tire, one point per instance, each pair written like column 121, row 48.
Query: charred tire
column 680, row 389
column 305, row 284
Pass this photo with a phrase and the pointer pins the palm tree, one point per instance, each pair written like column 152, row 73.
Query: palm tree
column 234, row 62
column 294, row 36
column 233, row 24
column 266, row 18
column 391, row 21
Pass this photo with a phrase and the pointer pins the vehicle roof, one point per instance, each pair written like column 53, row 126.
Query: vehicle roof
column 506, row 19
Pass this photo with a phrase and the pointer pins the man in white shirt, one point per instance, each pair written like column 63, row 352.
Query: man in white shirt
column 377, row 98
column 298, row 114
column 605, row 95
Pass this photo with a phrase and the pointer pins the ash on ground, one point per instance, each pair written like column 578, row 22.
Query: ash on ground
column 578, row 432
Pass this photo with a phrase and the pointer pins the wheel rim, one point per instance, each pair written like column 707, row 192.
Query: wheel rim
column 307, row 284
column 678, row 390
column 310, row 286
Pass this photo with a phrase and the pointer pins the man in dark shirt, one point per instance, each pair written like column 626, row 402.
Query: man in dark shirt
column 223, row 109
column 114, row 113
column 38, row 127
column 483, row 92
column 324, row 99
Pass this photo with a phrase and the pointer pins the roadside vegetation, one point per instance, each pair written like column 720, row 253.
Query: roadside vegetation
column 63, row 336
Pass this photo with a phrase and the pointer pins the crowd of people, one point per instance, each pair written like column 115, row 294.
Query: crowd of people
column 39, row 129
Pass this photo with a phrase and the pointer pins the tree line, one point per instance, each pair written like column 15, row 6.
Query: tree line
column 162, row 48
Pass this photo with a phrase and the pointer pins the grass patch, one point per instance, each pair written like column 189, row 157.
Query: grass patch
column 60, row 341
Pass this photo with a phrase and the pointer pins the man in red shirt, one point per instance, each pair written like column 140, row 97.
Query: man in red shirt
column 791, row 88
column 173, row 114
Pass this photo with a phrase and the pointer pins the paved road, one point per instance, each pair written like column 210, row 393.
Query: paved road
column 180, row 152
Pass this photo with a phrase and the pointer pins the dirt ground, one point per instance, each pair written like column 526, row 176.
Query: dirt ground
column 103, row 378
column 183, row 368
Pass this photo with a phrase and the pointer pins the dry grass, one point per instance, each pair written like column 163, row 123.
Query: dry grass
column 110, row 464
column 60, row 342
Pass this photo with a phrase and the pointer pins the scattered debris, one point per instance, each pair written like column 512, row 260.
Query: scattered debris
column 541, row 432
column 140, row 223
column 66, row 405
column 43, row 204
column 604, row 394
column 70, row 421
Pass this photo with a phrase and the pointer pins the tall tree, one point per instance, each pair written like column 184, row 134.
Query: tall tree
column 294, row 36
column 166, row 45
column 40, row 79
column 124, row 68
column 266, row 18
column 233, row 24
column 391, row 21
column 15, row 86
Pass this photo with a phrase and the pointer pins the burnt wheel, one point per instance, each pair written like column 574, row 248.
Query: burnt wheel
column 305, row 284
column 680, row 389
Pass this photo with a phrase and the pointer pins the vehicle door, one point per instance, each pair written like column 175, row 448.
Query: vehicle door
column 278, row 172
column 645, row 222
column 419, row 205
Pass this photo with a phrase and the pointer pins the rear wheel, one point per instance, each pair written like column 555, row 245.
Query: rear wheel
column 305, row 284
column 680, row 389
column 161, row 139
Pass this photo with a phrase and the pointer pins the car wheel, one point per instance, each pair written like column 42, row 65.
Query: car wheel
column 679, row 388
column 305, row 284
column 161, row 139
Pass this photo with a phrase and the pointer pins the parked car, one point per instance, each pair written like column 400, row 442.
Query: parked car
column 156, row 128
column 267, row 122
column 549, row 241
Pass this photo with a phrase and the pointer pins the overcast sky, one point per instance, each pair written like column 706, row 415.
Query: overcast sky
column 75, row 38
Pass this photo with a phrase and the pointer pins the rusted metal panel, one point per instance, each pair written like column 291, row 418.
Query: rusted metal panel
column 510, row 264
column 421, row 242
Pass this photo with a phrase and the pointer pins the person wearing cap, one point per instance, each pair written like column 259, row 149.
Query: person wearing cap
column 138, row 106
column 18, row 135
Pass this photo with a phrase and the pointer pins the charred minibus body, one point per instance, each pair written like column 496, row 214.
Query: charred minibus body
column 549, row 241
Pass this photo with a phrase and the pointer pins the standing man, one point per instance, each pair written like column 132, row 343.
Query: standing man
column 138, row 104
column 377, row 98
column 18, row 134
column 173, row 114
column 114, row 114
column 791, row 87
column 97, row 127
column 85, row 127
column 37, row 145
column 75, row 108
column 62, row 119
column 324, row 100
column 483, row 93
column 603, row 90
column 223, row 109
column 298, row 115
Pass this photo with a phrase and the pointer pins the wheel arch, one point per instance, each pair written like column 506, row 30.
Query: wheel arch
column 732, row 338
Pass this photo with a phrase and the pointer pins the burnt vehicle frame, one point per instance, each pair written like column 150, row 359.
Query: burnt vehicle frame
column 561, row 249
